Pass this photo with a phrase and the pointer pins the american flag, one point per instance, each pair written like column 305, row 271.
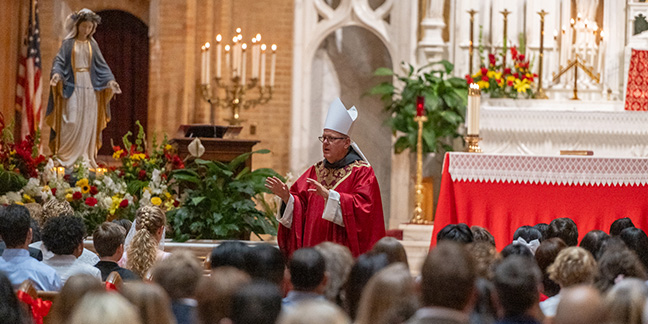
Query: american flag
column 29, row 88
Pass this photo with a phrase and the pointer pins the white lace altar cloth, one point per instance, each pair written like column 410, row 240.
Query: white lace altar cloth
column 543, row 127
column 562, row 170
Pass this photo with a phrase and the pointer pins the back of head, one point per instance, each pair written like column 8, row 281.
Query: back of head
column 178, row 274
column 105, row 308
column 618, row 263
column 214, row 293
column 63, row 234
column 516, row 249
column 315, row 312
column 481, row 234
column 230, row 254
column 142, row 251
column 625, row 302
column 545, row 255
column 54, row 208
column 573, row 265
column 10, row 309
column 448, row 276
column 484, row 255
column 151, row 301
column 455, row 232
column 266, row 262
column 516, row 281
column 307, row 268
column 593, row 240
column 389, row 297
column 107, row 238
column 637, row 241
column 543, row 228
column 528, row 233
column 392, row 248
column 564, row 228
column 580, row 304
column 14, row 225
column 338, row 261
column 71, row 294
column 365, row 267
column 619, row 225
column 124, row 223
column 258, row 302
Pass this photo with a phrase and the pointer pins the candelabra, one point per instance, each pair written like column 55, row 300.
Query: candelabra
column 541, row 94
column 231, row 91
column 471, row 45
column 504, row 13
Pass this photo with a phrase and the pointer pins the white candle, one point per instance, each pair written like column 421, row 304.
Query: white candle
column 255, row 62
column 218, row 55
column 227, row 57
column 601, row 52
column 235, row 57
column 207, row 64
column 60, row 172
column 472, row 115
column 263, row 63
column 202, row 64
column 243, row 48
column 273, row 64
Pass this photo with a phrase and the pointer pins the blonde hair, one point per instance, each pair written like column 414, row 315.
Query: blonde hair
column 71, row 294
column 54, row 208
column 104, row 308
column 573, row 265
column 624, row 303
column 314, row 312
column 389, row 297
column 142, row 251
column 151, row 300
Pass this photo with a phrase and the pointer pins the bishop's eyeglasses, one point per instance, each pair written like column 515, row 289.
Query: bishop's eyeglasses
column 329, row 139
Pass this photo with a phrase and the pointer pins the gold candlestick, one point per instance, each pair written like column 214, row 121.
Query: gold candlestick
column 540, row 94
column 418, row 217
column 472, row 13
column 504, row 13
column 473, row 143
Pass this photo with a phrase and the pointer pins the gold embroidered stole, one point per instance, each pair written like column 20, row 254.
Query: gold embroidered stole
column 331, row 178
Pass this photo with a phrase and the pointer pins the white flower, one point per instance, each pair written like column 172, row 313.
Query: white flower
column 105, row 202
column 146, row 198
column 4, row 200
column 33, row 188
column 156, row 185
column 50, row 170
column 13, row 196
column 195, row 148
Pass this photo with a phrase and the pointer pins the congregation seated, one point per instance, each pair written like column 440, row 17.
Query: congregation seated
column 214, row 293
column 389, row 297
column 580, row 304
column 229, row 254
column 265, row 262
column 143, row 246
column 364, row 268
column 593, row 241
column 564, row 228
column 456, row 232
column 619, row 225
column 392, row 248
column 307, row 276
column 105, row 308
column 63, row 236
column 256, row 302
column 108, row 241
column 74, row 290
column 516, row 281
column 338, row 260
column 16, row 262
column 315, row 312
column 151, row 301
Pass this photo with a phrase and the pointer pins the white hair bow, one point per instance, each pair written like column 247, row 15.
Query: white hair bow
column 533, row 245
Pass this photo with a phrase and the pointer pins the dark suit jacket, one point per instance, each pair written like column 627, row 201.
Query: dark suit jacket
column 107, row 267
column 184, row 314
column 34, row 253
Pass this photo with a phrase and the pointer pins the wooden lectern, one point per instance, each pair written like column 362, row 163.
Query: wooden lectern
column 219, row 142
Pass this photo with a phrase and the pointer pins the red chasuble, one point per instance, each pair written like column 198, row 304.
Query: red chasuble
column 360, row 204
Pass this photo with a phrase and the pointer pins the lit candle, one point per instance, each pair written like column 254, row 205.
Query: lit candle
column 202, row 64
column 263, row 63
column 99, row 172
column 472, row 115
column 218, row 55
column 227, row 57
column 255, row 62
column 420, row 106
column 235, row 57
column 273, row 64
column 60, row 172
column 243, row 48
column 207, row 64
column 257, row 51
column 601, row 52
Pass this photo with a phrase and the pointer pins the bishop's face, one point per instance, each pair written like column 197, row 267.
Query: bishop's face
column 335, row 145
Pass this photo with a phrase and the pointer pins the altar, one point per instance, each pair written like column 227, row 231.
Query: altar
column 544, row 127
column 502, row 192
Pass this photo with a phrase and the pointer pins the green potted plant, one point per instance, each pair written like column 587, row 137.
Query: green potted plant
column 445, row 105
column 220, row 201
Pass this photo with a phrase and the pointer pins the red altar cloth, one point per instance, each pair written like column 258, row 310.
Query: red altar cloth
column 502, row 193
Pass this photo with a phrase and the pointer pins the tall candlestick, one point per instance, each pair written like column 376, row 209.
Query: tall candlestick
column 218, row 55
column 263, row 63
column 420, row 106
column 273, row 64
column 472, row 115
column 227, row 57
column 255, row 62
column 243, row 61
column 472, row 13
column 504, row 13
column 540, row 93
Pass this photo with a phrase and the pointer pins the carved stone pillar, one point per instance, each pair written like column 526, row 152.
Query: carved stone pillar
column 431, row 44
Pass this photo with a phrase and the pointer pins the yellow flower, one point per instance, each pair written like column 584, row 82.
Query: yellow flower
column 19, row 203
column 498, row 76
column 168, row 147
column 490, row 74
column 483, row 84
column 145, row 189
column 68, row 197
column 118, row 154
column 85, row 189
column 167, row 194
column 82, row 182
column 156, row 201
column 138, row 156
column 27, row 198
column 521, row 86
column 46, row 188
column 69, row 191
column 510, row 78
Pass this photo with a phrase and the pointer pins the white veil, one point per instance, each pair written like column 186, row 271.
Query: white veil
column 131, row 234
